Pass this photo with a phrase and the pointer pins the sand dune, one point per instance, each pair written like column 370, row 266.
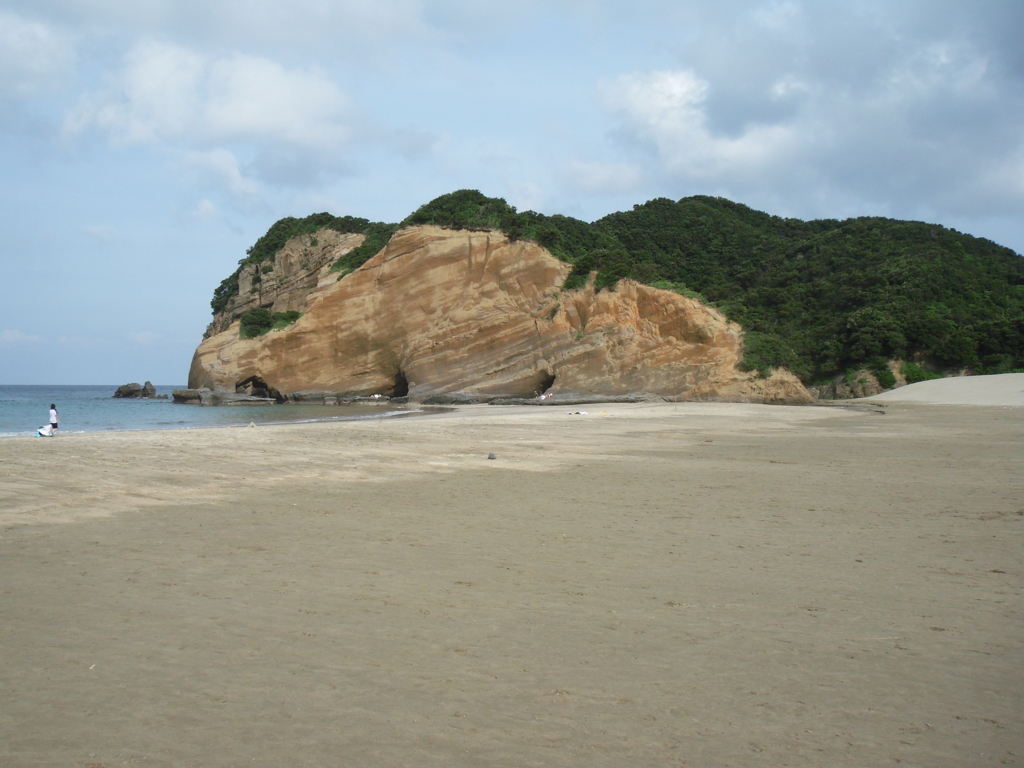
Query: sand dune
column 1004, row 389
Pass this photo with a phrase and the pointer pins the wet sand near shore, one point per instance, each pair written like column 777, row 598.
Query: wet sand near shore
column 648, row 585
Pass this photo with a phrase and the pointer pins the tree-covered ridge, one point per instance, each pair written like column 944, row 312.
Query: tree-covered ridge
column 820, row 297
column 817, row 297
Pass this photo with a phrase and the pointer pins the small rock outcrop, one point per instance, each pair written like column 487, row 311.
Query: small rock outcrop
column 187, row 396
column 473, row 316
column 129, row 390
column 136, row 390
column 206, row 396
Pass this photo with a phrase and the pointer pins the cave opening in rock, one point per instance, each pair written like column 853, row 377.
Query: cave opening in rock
column 257, row 387
column 401, row 385
column 545, row 383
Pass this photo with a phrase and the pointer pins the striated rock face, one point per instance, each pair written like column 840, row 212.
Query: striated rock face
column 284, row 284
column 441, row 311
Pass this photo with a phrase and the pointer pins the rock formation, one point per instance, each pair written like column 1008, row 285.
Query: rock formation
column 204, row 396
column 441, row 311
column 284, row 283
column 135, row 390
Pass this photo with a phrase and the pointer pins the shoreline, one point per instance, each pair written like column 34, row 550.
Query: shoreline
column 63, row 432
column 998, row 390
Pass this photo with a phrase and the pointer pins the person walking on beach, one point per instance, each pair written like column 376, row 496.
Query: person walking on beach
column 54, row 418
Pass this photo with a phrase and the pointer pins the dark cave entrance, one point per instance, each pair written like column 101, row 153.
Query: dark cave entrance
column 545, row 383
column 257, row 387
column 401, row 388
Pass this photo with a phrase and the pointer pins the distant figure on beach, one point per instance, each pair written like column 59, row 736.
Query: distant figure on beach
column 54, row 418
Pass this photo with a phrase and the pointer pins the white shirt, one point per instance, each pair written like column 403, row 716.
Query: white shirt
column 53, row 416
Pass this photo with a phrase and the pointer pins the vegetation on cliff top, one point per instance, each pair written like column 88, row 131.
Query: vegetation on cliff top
column 377, row 236
column 817, row 297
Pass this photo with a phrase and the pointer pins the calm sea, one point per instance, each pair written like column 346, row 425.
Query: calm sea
column 23, row 409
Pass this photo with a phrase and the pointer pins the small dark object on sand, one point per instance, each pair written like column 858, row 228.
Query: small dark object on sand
column 492, row 456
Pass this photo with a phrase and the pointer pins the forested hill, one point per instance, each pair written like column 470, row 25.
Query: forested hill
column 817, row 297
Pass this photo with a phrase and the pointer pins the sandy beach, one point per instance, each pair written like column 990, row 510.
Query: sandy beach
column 643, row 585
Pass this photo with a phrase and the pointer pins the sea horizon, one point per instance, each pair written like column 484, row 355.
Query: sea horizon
column 82, row 408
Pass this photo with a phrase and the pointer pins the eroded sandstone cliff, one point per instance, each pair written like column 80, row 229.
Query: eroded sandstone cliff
column 285, row 282
column 443, row 311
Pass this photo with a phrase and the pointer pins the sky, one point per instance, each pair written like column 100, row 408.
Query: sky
column 144, row 146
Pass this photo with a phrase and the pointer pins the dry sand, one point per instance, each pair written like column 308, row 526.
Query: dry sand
column 999, row 389
column 643, row 585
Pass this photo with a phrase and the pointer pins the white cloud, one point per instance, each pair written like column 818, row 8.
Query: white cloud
column 247, row 122
column 811, row 112
column 166, row 93
column 222, row 167
column 788, row 86
column 527, row 196
column 667, row 110
column 254, row 98
column 157, row 97
column 205, row 210
column 940, row 68
column 13, row 336
column 32, row 55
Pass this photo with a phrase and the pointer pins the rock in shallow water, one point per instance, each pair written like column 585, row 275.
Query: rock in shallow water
column 135, row 390
column 205, row 396
column 129, row 390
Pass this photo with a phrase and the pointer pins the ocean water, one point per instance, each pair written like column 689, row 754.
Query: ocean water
column 23, row 409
